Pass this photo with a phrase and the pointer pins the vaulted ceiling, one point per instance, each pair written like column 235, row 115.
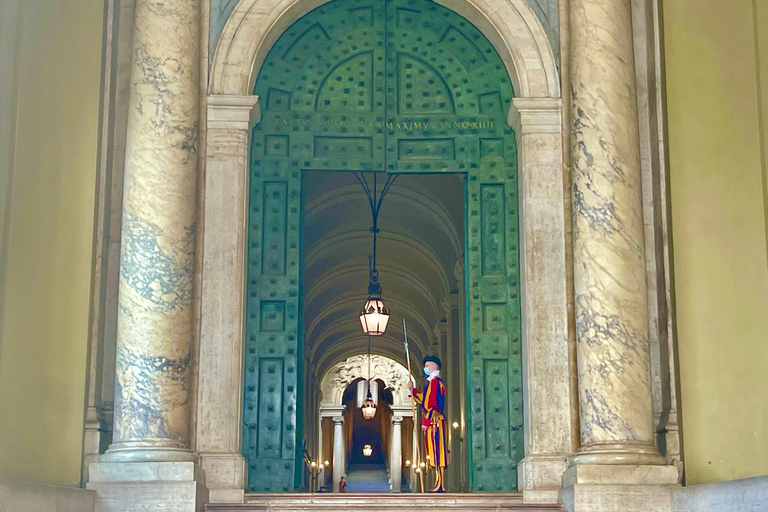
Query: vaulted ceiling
column 421, row 240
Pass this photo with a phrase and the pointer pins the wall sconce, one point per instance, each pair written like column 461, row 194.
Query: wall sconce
column 456, row 426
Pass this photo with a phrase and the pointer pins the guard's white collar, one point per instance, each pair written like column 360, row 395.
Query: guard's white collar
column 433, row 375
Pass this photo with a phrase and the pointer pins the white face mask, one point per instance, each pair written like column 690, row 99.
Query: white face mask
column 427, row 372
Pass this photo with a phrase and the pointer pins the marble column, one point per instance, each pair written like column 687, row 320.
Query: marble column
column 158, row 236
column 338, row 451
column 151, row 419
column 617, row 466
column 397, row 452
column 609, row 279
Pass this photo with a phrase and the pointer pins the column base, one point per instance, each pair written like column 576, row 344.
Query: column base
column 540, row 477
column 141, row 486
column 147, row 451
column 617, row 488
column 225, row 476
column 628, row 453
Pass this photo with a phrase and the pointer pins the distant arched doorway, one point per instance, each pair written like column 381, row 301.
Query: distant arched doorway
column 400, row 86
column 338, row 417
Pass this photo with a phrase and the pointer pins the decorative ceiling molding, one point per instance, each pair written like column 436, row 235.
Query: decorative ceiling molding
column 420, row 326
column 330, row 243
column 432, row 211
column 398, row 278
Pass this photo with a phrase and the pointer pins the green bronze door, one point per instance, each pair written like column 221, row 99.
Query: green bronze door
column 403, row 86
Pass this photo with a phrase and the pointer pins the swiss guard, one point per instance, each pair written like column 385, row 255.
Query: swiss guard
column 432, row 402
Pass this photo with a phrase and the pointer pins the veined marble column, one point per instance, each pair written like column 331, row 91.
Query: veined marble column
column 397, row 452
column 149, row 463
column 609, row 278
column 158, row 236
column 338, row 451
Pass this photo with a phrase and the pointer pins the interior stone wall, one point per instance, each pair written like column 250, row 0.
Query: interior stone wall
column 717, row 91
column 48, row 160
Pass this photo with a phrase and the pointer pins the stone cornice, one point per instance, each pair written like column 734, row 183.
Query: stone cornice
column 535, row 115
column 230, row 112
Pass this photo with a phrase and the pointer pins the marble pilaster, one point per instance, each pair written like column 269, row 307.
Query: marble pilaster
column 609, row 259
column 219, row 391
column 338, row 451
column 106, row 264
column 154, row 331
column 654, row 166
column 549, row 437
column 460, row 399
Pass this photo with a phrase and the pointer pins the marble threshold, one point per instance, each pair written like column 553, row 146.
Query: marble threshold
column 336, row 502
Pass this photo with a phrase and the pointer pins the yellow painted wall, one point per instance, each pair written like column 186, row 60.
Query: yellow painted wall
column 47, row 243
column 717, row 171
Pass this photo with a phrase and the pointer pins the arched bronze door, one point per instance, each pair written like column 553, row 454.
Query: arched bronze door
column 403, row 86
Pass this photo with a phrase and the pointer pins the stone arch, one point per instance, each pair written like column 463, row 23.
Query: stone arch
column 340, row 374
column 535, row 114
column 511, row 26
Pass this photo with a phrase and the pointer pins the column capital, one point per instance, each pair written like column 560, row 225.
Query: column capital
column 230, row 112
column 338, row 420
column 535, row 115
column 397, row 420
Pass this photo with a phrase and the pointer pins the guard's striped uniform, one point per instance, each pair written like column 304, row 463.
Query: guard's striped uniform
column 432, row 402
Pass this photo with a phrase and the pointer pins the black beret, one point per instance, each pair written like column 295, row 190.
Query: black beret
column 434, row 359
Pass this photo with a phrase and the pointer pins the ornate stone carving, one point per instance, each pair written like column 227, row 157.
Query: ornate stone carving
column 458, row 270
column 336, row 379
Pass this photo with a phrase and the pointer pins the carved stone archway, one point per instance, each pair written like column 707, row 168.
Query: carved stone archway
column 340, row 375
column 511, row 26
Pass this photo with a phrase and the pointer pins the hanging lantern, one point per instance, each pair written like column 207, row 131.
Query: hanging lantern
column 367, row 450
column 369, row 408
column 374, row 317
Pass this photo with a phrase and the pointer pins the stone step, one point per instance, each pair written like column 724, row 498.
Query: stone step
column 335, row 502
column 367, row 478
